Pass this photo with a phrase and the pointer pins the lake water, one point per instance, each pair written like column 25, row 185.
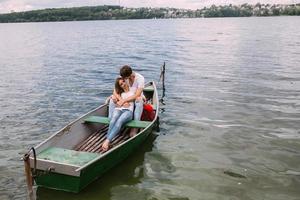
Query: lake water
column 230, row 126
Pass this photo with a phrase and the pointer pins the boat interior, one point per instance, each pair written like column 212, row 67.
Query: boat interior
column 81, row 141
column 94, row 142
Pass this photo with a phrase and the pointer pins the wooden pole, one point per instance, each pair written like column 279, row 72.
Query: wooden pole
column 162, row 79
column 29, row 178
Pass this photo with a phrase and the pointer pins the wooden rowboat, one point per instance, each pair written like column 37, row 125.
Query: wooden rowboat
column 72, row 158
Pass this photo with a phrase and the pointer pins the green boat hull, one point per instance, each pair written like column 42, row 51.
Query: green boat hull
column 75, row 184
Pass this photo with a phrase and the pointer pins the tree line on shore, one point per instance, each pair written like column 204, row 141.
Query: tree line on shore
column 118, row 12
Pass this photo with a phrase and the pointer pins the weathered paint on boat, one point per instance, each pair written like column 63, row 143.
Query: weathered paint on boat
column 73, row 178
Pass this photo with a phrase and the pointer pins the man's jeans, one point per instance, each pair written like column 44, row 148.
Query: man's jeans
column 137, row 110
column 119, row 118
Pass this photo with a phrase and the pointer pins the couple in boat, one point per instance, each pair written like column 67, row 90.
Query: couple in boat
column 125, row 104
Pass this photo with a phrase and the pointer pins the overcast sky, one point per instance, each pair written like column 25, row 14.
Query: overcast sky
column 23, row 5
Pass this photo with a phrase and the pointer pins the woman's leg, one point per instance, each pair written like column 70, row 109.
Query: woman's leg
column 126, row 116
column 111, row 107
column 115, row 116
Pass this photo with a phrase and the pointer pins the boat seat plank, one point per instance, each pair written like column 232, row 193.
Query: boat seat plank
column 67, row 156
column 97, row 119
column 105, row 120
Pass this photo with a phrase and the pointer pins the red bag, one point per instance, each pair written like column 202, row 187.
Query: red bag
column 148, row 113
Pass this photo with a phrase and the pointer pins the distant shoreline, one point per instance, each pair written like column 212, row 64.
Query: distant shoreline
column 94, row 13
column 145, row 19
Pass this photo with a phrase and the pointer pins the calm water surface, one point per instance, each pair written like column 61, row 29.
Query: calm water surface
column 231, row 120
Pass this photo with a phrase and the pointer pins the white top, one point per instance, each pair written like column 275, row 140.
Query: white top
column 125, row 95
column 139, row 82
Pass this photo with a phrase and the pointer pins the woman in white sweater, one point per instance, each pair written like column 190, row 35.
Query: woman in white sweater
column 121, row 114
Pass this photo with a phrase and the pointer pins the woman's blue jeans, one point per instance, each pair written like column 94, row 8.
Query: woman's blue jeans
column 118, row 119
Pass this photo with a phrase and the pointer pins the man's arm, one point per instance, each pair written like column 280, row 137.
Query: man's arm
column 137, row 94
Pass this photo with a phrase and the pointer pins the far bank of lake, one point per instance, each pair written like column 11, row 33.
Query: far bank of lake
column 118, row 12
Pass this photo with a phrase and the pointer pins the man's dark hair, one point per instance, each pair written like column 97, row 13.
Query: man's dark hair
column 125, row 71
